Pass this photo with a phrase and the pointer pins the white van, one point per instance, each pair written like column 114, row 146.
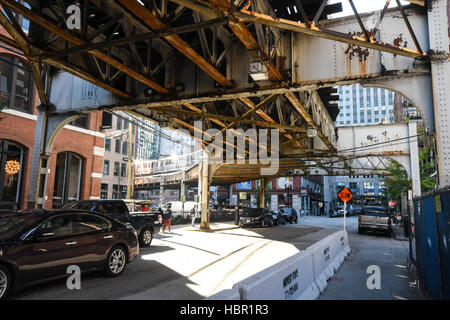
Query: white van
column 176, row 207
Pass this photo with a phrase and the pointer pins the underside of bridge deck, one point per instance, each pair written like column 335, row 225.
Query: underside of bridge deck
column 232, row 66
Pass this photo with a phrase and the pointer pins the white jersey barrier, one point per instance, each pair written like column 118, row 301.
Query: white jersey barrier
column 302, row 276
column 323, row 257
column 290, row 279
column 339, row 249
column 230, row 294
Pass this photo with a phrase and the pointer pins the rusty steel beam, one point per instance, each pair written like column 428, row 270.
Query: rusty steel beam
column 68, row 67
column 327, row 34
column 25, row 47
column 46, row 24
column 226, row 118
column 255, row 17
column 251, row 44
column 408, row 25
column 153, row 22
column 296, row 103
column 77, row 71
column 383, row 12
column 361, row 24
column 253, row 110
column 140, row 37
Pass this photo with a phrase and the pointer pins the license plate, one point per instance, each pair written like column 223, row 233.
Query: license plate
column 248, row 220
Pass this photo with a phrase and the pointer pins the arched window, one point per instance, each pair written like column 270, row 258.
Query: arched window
column 16, row 84
column 68, row 175
column 11, row 174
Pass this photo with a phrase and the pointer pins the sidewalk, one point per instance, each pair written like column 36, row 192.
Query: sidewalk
column 399, row 233
column 214, row 227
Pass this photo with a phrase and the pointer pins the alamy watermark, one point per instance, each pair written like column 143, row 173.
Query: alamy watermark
column 74, row 280
column 374, row 280
column 74, row 20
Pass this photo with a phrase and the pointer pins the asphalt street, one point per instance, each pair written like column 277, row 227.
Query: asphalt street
column 389, row 254
column 189, row 264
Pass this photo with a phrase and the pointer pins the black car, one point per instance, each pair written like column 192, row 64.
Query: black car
column 40, row 245
column 146, row 223
column 277, row 218
column 256, row 216
column 289, row 215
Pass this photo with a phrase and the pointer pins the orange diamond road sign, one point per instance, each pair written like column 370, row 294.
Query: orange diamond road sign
column 345, row 195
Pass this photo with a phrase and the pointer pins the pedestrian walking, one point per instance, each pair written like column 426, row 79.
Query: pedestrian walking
column 194, row 215
column 167, row 218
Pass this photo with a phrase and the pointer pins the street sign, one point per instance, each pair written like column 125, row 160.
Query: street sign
column 345, row 195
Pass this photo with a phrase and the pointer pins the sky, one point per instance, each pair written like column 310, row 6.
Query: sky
column 363, row 6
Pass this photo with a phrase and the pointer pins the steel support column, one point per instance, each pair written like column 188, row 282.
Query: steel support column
column 262, row 191
column 205, row 191
column 414, row 158
column 439, row 23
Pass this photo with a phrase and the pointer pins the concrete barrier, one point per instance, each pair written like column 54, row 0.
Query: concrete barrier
column 229, row 294
column 290, row 279
column 339, row 249
column 323, row 256
column 302, row 276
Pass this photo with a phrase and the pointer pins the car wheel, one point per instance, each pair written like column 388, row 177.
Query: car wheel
column 359, row 231
column 116, row 261
column 271, row 223
column 146, row 237
column 5, row 282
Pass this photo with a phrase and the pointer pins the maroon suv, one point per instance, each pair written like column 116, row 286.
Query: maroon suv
column 41, row 245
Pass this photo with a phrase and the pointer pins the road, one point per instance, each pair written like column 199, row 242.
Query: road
column 189, row 264
column 350, row 282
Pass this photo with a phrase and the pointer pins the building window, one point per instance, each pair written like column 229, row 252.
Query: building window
column 354, row 185
column 369, row 185
column 116, row 169
column 123, row 170
column 115, row 193
column 123, row 192
column 16, row 84
column 106, row 167
column 119, row 124
column 68, row 174
column 107, row 144
column 118, row 145
column 125, row 148
column 104, row 191
column 81, row 122
column 11, row 175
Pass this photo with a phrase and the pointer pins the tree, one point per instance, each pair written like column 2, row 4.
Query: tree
column 427, row 169
column 397, row 181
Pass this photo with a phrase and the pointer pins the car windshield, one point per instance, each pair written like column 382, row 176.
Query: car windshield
column 12, row 224
column 81, row 205
column 287, row 210
column 375, row 209
column 252, row 212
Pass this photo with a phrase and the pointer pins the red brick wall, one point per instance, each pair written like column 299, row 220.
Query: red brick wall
column 22, row 130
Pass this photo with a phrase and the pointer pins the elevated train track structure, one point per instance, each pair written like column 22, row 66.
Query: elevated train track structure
column 233, row 65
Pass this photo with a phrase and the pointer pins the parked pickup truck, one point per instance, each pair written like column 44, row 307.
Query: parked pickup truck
column 374, row 218
column 145, row 223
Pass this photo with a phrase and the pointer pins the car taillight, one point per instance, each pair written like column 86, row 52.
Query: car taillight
column 359, row 218
column 160, row 218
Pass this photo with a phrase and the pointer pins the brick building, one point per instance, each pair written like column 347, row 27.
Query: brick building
column 75, row 161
